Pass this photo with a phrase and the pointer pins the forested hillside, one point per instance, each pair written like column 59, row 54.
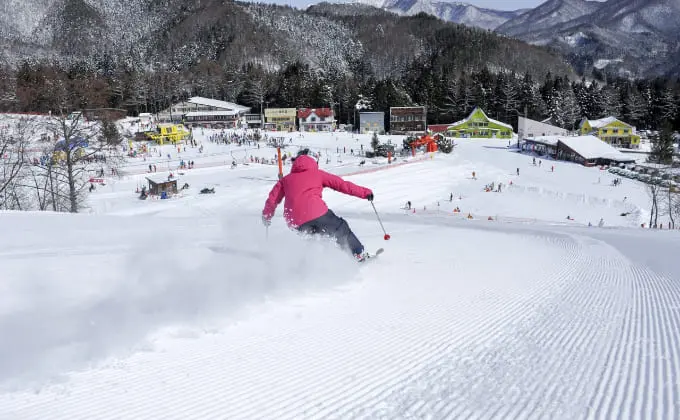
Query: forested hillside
column 328, row 55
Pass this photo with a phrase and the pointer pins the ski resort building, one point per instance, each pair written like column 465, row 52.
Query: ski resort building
column 586, row 150
column 372, row 122
column 162, row 186
column 612, row 131
column 200, row 111
column 316, row 119
column 408, row 119
column 280, row 119
column 531, row 128
column 438, row 128
column 479, row 125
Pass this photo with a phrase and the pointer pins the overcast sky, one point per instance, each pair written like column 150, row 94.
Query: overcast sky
column 491, row 4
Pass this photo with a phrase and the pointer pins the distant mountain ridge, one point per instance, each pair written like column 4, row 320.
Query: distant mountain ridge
column 547, row 15
column 632, row 37
column 180, row 34
column 456, row 12
column 627, row 37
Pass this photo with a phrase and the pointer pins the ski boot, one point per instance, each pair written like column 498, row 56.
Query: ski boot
column 362, row 257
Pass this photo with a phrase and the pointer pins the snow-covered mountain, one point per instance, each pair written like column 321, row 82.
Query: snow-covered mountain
column 548, row 15
column 180, row 34
column 641, row 36
column 456, row 12
column 638, row 38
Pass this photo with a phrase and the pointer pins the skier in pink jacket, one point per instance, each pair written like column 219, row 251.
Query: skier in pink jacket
column 305, row 210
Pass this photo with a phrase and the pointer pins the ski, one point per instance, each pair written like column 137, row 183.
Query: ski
column 371, row 257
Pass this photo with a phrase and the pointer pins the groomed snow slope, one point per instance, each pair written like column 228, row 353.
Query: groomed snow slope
column 132, row 315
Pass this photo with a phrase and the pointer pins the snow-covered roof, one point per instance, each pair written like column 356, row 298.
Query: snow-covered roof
column 160, row 179
column 548, row 140
column 199, row 100
column 502, row 124
column 210, row 113
column 591, row 147
column 603, row 122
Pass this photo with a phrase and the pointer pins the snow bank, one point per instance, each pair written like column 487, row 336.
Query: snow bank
column 72, row 309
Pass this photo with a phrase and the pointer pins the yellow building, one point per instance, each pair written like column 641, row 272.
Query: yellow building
column 280, row 119
column 168, row 133
column 612, row 131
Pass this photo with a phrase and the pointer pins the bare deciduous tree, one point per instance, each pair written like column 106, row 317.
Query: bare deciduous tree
column 671, row 199
column 79, row 151
column 12, row 149
column 675, row 205
column 654, row 193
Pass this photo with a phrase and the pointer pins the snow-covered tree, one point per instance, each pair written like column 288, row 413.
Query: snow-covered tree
column 569, row 108
column 666, row 105
column 634, row 108
column 609, row 100
column 663, row 149
column 375, row 142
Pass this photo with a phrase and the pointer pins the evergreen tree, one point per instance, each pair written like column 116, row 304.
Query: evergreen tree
column 634, row 109
column 611, row 105
column 662, row 149
column 109, row 134
column 450, row 104
column 444, row 145
column 465, row 98
column 527, row 96
column 375, row 142
column 593, row 102
column 569, row 108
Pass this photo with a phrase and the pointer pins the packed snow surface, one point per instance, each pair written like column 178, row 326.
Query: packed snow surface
column 187, row 308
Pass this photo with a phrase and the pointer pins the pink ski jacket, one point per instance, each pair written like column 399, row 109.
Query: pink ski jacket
column 302, row 189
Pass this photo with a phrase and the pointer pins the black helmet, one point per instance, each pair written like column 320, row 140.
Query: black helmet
column 301, row 152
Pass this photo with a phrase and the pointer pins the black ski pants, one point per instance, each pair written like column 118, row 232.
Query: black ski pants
column 335, row 227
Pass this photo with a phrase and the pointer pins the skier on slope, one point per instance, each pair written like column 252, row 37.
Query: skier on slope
column 304, row 208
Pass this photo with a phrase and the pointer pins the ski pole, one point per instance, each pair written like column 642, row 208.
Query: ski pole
column 387, row 236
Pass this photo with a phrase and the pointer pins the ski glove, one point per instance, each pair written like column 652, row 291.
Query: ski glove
column 369, row 197
column 266, row 221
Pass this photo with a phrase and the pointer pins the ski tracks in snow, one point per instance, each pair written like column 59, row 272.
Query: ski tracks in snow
column 641, row 378
column 579, row 333
column 598, row 340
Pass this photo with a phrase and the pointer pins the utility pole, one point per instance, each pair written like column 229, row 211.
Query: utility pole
column 278, row 151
